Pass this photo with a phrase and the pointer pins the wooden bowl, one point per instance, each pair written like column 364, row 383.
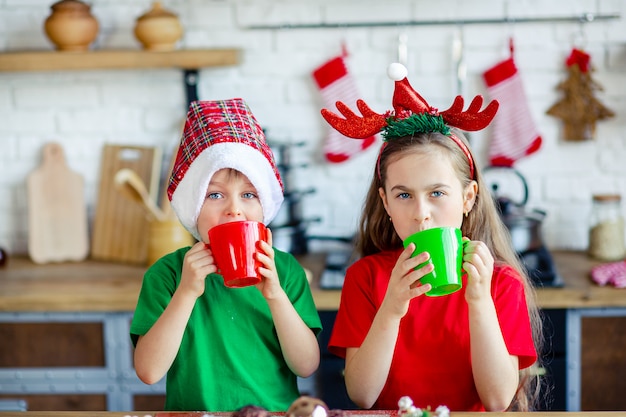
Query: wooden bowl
column 71, row 26
column 158, row 29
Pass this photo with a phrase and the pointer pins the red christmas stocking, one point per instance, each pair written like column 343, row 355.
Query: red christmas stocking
column 336, row 84
column 514, row 134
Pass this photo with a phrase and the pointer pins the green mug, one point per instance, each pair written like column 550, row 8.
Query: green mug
column 445, row 246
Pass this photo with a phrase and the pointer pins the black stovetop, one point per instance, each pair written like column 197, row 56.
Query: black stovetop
column 541, row 268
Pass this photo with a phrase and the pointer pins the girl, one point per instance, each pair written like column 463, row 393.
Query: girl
column 464, row 350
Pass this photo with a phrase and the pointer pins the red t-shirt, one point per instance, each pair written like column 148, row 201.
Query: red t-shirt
column 431, row 363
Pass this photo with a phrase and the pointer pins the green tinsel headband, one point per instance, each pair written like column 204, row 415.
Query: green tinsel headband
column 415, row 123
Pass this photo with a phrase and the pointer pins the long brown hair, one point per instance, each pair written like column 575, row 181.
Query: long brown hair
column 483, row 222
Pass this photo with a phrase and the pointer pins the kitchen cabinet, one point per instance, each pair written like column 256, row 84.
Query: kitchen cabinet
column 72, row 361
column 330, row 385
column 554, row 359
column 68, row 327
column 601, row 365
column 78, row 314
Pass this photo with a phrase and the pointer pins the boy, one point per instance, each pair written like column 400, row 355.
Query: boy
column 224, row 348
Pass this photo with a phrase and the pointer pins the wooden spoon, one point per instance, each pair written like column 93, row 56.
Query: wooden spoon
column 166, row 206
column 131, row 185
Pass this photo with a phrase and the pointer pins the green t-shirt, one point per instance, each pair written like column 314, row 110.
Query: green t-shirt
column 230, row 355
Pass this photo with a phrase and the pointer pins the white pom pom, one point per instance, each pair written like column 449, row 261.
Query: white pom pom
column 405, row 403
column 443, row 411
column 319, row 411
column 397, row 71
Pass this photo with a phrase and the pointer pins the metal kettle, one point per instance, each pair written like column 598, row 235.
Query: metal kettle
column 524, row 225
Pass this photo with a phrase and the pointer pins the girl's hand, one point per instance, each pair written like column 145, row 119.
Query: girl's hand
column 197, row 264
column 404, row 282
column 269, row 285
column 478, row 263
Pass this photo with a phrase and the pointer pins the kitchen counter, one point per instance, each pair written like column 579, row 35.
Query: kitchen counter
column 95, row 286
column 82, row 294
column 104, row 286
column 578, row 291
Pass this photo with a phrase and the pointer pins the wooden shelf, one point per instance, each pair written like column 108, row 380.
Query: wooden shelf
column 117, row 59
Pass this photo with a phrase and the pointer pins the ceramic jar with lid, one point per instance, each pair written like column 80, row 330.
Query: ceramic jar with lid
column 165, row 236
column 158, row 29
column 606, row 228
column 71, row 26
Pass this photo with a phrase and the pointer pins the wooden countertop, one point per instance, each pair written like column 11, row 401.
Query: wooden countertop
column 104, row 286
column 353, row 413
column 579, row 290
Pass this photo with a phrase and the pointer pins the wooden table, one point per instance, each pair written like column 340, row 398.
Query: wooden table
column 105, row 292
column 364, row 413
column 359, row 413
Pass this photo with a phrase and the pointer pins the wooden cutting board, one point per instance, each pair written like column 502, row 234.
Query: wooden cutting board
column 120, row 229
column 57, row 213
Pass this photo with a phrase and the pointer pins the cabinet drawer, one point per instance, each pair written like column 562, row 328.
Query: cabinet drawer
column 35, row 345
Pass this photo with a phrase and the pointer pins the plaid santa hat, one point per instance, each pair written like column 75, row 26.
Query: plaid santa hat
column 221, row 134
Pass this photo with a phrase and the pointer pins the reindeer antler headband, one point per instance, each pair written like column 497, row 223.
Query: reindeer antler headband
column 412, row 114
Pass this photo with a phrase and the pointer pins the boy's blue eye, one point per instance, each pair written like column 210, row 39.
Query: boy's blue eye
column 213, row 196
column 437, row 193
column 249, row 195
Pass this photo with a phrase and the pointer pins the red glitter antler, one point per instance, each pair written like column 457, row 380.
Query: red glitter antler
column 472, row 119
column 352, row 125
column 407, row 101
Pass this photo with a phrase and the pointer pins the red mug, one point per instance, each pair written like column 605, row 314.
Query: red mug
column 234, row 246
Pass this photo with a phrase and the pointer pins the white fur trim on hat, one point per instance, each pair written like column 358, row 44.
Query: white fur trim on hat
column 188, row 198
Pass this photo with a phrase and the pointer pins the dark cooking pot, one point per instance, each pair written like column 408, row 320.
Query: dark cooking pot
column 524, row 225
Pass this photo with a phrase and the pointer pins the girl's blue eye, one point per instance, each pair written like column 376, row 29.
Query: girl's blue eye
column 404, row 196
column 437, row 193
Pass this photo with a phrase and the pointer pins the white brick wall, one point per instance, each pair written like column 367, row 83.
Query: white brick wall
column 84, row 110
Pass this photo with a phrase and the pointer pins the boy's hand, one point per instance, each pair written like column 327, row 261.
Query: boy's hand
column 269, row 285
column 198, row 263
